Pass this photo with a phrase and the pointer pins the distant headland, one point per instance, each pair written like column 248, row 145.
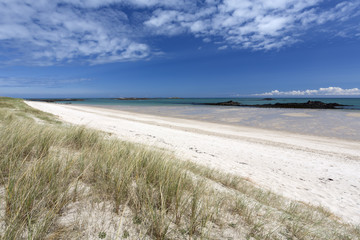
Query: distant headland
column 56, row 99
column 83, row 99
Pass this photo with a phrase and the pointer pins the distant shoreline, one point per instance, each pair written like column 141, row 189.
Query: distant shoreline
column 306, row 103
column 56, row 99
column 83, row 99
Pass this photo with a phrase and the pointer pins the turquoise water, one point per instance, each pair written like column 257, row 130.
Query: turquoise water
column 338, row 123
column 354, row 102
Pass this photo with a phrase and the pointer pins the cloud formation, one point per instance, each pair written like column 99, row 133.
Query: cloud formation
column 259, row 25
column 66, row 31
column 330, row 91
column 101, row 31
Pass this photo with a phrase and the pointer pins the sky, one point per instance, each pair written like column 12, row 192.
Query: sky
column 179, row 48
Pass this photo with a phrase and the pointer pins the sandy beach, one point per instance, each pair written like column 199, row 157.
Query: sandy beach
column 313, row 169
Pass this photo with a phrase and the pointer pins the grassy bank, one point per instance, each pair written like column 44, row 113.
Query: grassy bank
column 68, row 182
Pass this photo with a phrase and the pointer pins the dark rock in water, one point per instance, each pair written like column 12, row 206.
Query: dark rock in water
column 308, row 104
column 56, row 99
column 268, row 99
column 228, row 103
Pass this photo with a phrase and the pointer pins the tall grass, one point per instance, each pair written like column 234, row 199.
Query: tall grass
column 43, row 163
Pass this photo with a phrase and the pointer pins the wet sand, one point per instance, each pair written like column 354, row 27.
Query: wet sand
column 337, row 123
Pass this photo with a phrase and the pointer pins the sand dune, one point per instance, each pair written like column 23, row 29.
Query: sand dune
column 312, row 169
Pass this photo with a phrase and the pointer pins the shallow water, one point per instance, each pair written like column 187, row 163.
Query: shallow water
column 339, row 123
column 330, row 123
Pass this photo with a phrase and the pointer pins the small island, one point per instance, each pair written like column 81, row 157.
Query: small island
column 228, row 103
column 309, row 104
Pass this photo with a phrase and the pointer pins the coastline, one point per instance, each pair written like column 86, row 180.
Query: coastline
column 339, row 123
column 297, row 166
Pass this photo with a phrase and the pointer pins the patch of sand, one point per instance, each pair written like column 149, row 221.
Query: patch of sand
column 296, row 114
column 353, row 115
column 230, row 120
column 318, row 170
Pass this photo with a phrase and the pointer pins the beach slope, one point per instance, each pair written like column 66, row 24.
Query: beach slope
column 316, row 170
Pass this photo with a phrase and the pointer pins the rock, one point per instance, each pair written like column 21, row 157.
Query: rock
column 308, row 104
column 228, row 103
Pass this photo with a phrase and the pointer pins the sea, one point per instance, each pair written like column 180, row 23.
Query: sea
column 353, row 103
column 334, row 123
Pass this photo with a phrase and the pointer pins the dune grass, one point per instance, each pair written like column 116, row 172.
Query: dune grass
column 53, row 174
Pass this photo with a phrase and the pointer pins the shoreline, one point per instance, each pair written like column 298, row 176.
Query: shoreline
column 314, row 122
column 185, row 118
column 313, row 169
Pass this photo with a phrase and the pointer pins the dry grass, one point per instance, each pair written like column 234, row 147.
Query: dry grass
column 66, row 182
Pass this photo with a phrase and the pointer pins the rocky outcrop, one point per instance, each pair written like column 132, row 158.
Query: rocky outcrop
column 228, row 103
column 308, row 104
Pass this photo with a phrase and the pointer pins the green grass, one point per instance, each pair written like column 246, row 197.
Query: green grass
column 16, row 108
column 47, row 168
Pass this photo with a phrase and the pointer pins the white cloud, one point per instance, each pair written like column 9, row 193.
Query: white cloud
column 98, row 31
column 330, row 91
column 223, row 47
column 260, row 24
column 47, row 32
column 206, row 40
column 137, row 3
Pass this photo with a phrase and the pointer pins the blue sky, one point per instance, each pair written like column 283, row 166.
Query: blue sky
column 183, row 48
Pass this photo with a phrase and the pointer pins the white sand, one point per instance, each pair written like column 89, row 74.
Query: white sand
column 311, row 169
